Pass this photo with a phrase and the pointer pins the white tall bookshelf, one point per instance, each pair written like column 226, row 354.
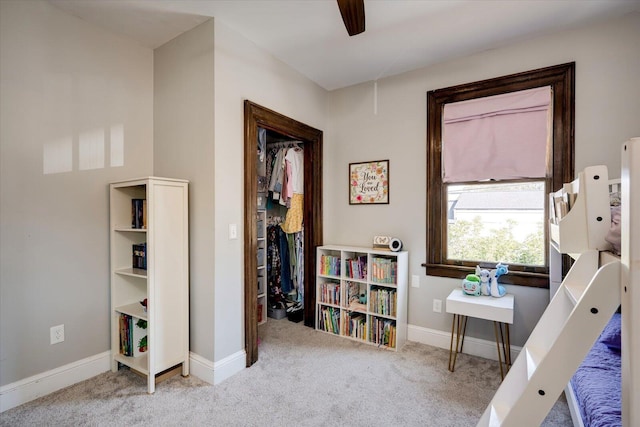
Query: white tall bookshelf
column 165, row 281
column 362, row 294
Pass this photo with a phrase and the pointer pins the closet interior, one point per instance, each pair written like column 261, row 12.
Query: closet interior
column 280, row 225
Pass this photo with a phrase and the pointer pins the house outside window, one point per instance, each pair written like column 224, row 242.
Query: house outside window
column 477, row 218
column 493, row 223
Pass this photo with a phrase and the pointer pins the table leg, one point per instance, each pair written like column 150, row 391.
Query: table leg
column 453, row 327
column 505, row 340
column 507, row 356
column 464, row 331
column 495, row 329
column 458, row 327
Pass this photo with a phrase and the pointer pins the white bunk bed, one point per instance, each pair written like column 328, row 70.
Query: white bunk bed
column 595, row 287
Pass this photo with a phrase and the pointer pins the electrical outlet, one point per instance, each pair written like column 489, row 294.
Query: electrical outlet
column 57, row 334
column 437, row 305
column 415, row 281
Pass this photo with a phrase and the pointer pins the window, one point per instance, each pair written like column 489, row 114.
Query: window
column 497, row 223
column 475, row 220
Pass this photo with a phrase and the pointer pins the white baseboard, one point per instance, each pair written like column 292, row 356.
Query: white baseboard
column 28, row 389
column 229, row 366
column 473, row 346
column 201, row 367
column 216, row 372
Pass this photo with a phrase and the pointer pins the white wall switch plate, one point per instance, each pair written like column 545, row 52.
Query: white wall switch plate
column 437, row 305
column 233, row 231
column 415, row 281
column 56, row 334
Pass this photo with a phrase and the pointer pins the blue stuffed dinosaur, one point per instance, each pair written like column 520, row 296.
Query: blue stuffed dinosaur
column 498, row 290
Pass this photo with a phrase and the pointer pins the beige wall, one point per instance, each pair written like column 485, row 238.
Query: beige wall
column 244, row 71
column 607, row 109
column 201, row 81
column 183, row 148
column 75, row 114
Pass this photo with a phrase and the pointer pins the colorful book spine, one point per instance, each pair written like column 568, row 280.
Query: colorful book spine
column 330, row 293
column 384, row 270
column 329, row 320
column 133, row 335
column 383, row 301
column 357, row 267
column 383, row 332
column 356, row 326
column 330, row 265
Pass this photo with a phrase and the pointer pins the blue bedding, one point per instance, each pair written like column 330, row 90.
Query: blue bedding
column 597, row 383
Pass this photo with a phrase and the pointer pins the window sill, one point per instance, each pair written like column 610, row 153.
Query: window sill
column 521, row 278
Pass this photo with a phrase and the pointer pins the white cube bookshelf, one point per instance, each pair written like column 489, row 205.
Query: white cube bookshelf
column 362, row 294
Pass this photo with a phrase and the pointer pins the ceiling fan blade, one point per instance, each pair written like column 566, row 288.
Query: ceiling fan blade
column 352, row 12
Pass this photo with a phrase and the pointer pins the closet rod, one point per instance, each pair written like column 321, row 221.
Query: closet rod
column 284, row 144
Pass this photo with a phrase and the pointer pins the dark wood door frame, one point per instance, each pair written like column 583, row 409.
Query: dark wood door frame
column 256, row 116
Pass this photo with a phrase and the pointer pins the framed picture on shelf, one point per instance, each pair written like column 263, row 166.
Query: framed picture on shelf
column 369, row 182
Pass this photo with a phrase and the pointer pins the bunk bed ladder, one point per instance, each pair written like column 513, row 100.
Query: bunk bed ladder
column 568, row 328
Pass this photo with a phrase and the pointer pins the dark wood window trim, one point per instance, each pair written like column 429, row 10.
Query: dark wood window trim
column 561, row 78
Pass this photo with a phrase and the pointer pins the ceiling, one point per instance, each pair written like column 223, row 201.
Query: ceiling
column 309, row 35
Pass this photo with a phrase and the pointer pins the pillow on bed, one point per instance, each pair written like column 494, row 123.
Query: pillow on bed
column 611, row 335
column 613, row 235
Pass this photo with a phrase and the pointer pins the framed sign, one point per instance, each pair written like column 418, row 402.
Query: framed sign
column 369, row 183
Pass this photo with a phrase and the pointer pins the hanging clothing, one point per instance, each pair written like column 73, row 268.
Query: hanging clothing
column 279, row 270
column 293, row 220
column 262, row 143
column 295, row 156
column 299, row 251
column 285, row 265
column 285, row 179
column 287, row 186
column 275, row 184
column 274, row 270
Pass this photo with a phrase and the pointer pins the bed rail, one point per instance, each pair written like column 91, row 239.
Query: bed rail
column 579, row 214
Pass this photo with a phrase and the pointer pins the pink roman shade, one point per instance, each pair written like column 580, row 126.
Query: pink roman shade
column 497, row 137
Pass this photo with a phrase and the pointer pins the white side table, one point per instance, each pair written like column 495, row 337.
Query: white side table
column 499, row 310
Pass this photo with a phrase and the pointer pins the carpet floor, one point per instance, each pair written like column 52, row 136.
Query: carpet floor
column 303, row 378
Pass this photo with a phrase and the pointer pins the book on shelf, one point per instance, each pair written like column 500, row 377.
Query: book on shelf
column 138, row 213
column 561, row 205
column 356, row 325
column 133, row 335
column 383, row 301
column 330, row 265
column 383, row 332
column 124, row 335
column 356, row 296
column 562, row 201
column 384, row 270
column 330, row 293
column 357, row 267
column 139, row 259
column 328, row 320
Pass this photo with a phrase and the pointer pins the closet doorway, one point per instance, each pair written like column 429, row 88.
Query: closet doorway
column 256, row 117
